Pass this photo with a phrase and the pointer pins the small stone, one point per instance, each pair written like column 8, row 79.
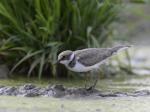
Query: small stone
column 141, row 93
column 47, row 93
column 107, row 94
column 58, row 93
column 31, row 94
column 58, row 87
column 8, row 91
column 121, row 94
column 27, row 86
column 29, row 90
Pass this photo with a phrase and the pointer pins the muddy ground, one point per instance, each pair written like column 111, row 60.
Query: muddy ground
column 124, row 94
column 57, row 98
column 59, row 91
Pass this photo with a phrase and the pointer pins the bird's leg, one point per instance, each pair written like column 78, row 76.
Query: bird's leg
column 85, row 75
column 95, row 75
column 95, row 82
column 86, row 79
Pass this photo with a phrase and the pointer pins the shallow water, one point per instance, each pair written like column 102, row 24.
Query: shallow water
column 87, row 104
column 122, row 104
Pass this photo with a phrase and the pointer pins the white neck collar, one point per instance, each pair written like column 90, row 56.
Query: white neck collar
column 72, row 56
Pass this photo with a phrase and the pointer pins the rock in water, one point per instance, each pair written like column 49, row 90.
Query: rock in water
column 4, row 72
column 29, row 90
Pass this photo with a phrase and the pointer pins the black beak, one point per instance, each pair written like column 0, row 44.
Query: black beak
column 57, row 62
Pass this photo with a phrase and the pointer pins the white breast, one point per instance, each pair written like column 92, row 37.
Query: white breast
column 81, row 68
column 78, row 68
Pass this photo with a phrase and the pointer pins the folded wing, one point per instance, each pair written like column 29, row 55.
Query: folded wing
column 92, row 56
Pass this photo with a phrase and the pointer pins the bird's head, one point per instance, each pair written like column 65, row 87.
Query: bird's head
column 65, row 57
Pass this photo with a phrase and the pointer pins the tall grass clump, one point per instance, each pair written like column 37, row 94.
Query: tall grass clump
column 33, row 32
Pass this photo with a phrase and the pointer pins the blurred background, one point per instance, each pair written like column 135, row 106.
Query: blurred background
column 34, row 32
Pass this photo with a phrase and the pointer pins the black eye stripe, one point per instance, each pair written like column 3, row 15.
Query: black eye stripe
column 65, row 57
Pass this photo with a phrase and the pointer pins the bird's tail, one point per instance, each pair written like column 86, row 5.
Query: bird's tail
column 119, row 48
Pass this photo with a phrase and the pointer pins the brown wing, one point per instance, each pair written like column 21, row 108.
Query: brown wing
column 92, row 56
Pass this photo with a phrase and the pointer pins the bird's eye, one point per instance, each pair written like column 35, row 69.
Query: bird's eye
column 63, row 57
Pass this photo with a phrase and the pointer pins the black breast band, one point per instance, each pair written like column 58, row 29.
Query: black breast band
column 72, row 62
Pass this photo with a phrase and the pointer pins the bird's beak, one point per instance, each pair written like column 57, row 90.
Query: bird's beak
column 58, row 61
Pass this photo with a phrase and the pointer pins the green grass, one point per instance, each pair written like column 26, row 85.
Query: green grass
column 33, row 32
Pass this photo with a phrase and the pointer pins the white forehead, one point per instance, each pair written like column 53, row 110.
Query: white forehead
column 64, row 53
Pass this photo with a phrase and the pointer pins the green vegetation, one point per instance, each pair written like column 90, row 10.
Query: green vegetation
column 33, row 32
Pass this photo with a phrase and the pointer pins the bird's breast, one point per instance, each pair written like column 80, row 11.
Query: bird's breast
column 79, row 68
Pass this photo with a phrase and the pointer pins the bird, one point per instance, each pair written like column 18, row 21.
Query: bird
column 88, row 59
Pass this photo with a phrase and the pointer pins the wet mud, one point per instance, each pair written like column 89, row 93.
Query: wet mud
column 59, row 91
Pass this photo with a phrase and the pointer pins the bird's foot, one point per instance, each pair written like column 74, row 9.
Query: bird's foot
column 90, row 88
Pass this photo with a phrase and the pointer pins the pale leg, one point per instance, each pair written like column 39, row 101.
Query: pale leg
column 95, row 77
column 86, row 79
